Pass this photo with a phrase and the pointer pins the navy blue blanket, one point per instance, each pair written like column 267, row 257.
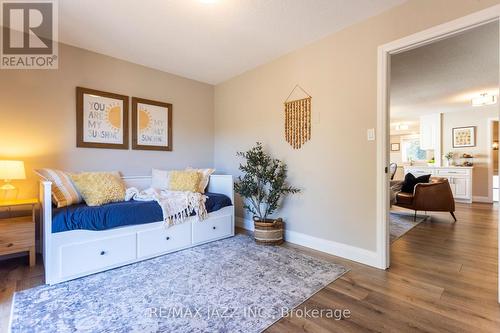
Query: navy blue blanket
column 119, row 214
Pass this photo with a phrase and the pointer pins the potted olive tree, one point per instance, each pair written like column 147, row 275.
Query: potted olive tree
column 262, row 187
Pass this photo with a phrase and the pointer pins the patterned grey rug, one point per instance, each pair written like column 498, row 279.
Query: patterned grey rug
column 401, row 223
column 232, row 285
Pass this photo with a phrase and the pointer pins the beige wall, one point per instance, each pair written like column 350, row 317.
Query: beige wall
column 37, row 116
column 396, row 156
column 336, row 169
column 478, row 117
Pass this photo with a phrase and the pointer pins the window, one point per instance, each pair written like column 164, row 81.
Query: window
column 410, row 149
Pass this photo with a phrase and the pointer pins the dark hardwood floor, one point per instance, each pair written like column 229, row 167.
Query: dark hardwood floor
column 443, row 278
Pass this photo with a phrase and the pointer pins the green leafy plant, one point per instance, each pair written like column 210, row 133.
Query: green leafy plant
column 449, row 156
column 263, row 182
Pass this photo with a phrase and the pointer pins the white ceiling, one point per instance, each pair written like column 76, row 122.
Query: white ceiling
column 444, row 76
column 206, row 40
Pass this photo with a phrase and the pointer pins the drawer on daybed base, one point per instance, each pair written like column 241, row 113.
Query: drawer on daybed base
column 216, row 227
column 96, row 255
column 163, row 239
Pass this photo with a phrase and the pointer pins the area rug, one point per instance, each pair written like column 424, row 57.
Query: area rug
column 401, row 223
column 232, row 285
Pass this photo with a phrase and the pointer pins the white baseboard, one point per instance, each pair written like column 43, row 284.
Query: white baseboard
column 244, row 223
column 349, row 252
column 478, row 198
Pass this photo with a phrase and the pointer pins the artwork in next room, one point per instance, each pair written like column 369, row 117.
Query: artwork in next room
column 102, row 119
column 395, row 147
column 151, row 125
column 464, row 137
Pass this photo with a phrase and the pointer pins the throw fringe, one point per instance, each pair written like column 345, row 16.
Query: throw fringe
column 176, row 206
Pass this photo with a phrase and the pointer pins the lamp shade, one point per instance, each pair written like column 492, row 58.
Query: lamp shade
column 10, row 170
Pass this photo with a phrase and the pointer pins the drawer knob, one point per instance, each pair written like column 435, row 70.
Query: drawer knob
column 10, row 245
column 168, row 237
column 214, row 228
column 103, row 253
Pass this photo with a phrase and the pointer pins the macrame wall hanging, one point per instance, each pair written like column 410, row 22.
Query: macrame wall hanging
column 298, row 119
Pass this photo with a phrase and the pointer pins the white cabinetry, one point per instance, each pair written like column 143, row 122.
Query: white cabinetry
column 460, row 186
column 120, row 246
column 460, row 179
column 430, row 134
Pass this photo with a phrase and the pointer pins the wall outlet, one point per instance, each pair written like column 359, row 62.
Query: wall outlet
column 370, row 134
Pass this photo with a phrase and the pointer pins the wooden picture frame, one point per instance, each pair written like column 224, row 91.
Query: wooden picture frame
column 151, row 125
column 395, row 147
column 101, row 119
column 464, row 136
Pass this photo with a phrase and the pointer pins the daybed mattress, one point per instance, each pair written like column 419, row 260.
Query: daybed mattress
column 119, row 214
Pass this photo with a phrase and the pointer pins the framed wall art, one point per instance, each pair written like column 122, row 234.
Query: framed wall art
column 101, row 119
column 151, row 125
column 395, row 147
column 464, row 137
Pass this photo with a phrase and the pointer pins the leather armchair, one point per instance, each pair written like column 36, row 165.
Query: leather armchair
column 435, row 196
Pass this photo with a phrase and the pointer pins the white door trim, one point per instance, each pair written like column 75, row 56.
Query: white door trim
column 490, row 159
column 384, row 51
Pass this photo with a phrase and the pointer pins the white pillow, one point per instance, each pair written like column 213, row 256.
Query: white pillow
column 160, row 179
column 205, row 177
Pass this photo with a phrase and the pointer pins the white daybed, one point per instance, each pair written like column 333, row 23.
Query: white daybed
column 71, row 254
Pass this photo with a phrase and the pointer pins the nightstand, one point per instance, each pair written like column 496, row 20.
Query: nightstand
column 17, row 234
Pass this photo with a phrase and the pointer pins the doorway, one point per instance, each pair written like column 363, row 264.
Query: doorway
column 493, row 139
column 450, row 29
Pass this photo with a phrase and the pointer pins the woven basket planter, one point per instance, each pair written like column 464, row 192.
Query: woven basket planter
column 268, row 232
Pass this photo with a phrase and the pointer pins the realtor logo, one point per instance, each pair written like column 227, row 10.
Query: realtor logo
column 29, row 34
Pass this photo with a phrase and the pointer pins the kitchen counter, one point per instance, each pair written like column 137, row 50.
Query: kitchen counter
column 459, row 178
column 436, row 167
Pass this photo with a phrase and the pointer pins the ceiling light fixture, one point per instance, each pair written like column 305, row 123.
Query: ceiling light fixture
column 484, row 99
column 402, row 127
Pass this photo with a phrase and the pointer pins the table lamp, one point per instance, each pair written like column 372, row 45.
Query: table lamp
column 11, row 170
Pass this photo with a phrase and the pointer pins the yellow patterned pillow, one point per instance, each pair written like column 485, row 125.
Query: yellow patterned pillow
column 99, row 188
column 184, row 181
column 205, row 177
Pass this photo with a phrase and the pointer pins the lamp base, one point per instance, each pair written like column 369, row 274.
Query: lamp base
column 7, row 187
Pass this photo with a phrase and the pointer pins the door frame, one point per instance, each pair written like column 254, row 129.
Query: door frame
column 490, row 158
column 422, row 38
